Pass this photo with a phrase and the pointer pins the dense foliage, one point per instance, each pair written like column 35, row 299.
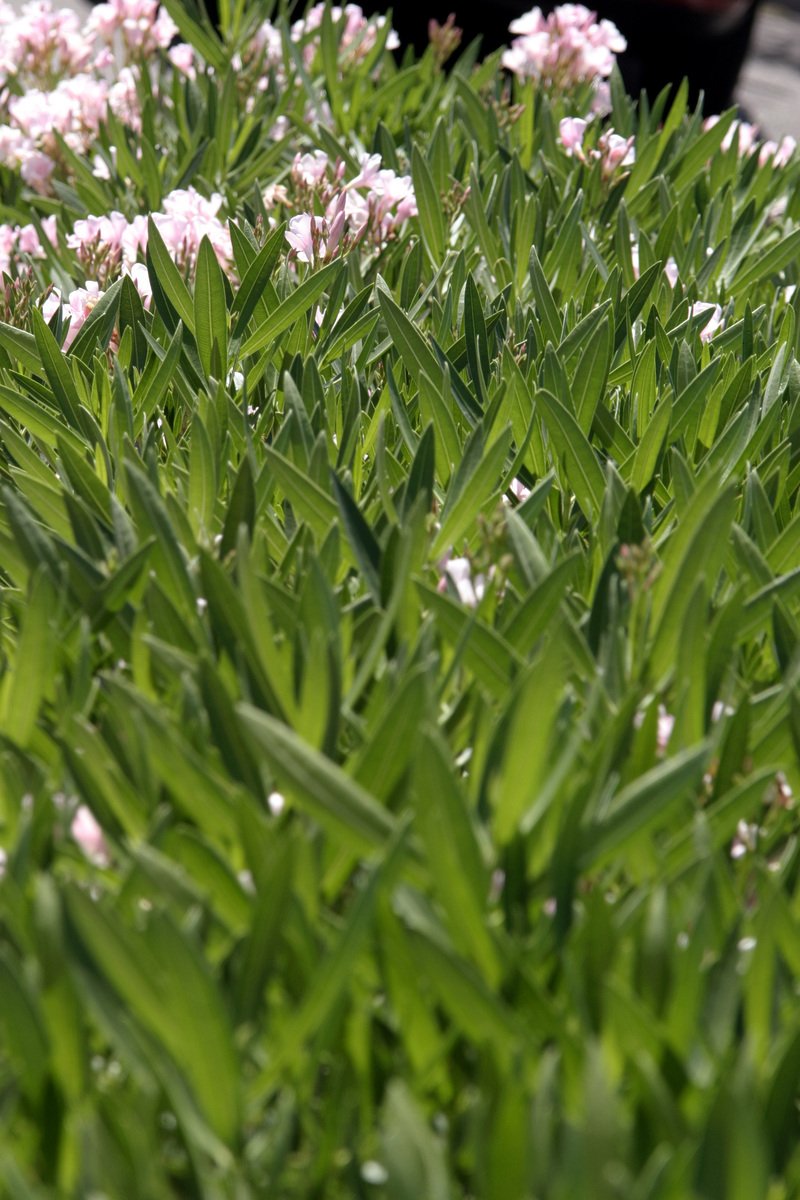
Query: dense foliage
column 400, row 571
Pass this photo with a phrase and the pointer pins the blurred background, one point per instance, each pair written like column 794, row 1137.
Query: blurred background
column 745, row 51
column 769, row 85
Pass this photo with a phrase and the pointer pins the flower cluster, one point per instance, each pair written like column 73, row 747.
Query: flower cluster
column 73, row 110
column 187, row 218
column 777, row 154
column 140, row 27
column 40, row 45
column 59, row 80
column 369, row 207
column 263, row 58
column 18, row 242
column 111, row 245
column 358, row 37
column 612, row 150
column 568, row 48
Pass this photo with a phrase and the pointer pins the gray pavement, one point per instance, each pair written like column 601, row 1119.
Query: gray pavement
column 769, row 88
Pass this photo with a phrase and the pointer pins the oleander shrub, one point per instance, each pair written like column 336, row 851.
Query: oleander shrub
column 400, row 594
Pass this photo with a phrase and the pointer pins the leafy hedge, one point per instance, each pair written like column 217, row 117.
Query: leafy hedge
column 399, row 714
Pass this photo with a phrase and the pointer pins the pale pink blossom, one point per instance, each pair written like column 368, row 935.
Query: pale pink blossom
column 744, row 132
column 565, row 49
column 370, row 167
column 302, row 235
column 777, row 153
column 40, row 44
column 16, row 240
column 36, row 170
column 747, row 139
column 310, row 169
column 92, row 232
column 518, row 490
column 51, row 304
column 614, row 151
column 358, row 37
column 76, row 308
column 186, row 218
column 664, row 728
column 182, row 58
column 571, row 131
column 471, row 590
column 713, row 322
column 141, row 281
column 80, row 303
column 8, row 246
column 90, row 837
column 100, row 168
column 140, row 26
column 378, row 199
column 745, row 841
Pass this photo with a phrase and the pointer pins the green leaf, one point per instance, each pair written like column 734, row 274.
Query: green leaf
column 58, row 372
column 26, row 684
column 649, row 448
column 318, row 785
column 95, row 333
column 431, row 217
column 461, row 878
column 165, row 275
column 312, row 503
column 131, row 316
column 589, row 381
column 643, row 805
column 210, row 312
column 159, row 975
column 415, row 353
column 255, row 280
column 584, row 476
column 296, row 306
column 196, row 34
column 477, row 481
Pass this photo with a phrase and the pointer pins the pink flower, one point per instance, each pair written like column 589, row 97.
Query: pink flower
column 79, row 304
column 335, row 216
column 51, row 304
column 565, row 49
column 142, row 27
column 746, row 135
column 89, row 836
column 389, row 200
column 459, row 572
column 571, row 131
column 518, row 490
column 310, row 169
column 614, row 151
column 182, row 59
column 713, row 322
column 301, row 235
column 664, row 728
column 141, row 281
column 358, row 37
column 36, row 170
column 777, row 153
column 93, row 232
column 369, row 173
